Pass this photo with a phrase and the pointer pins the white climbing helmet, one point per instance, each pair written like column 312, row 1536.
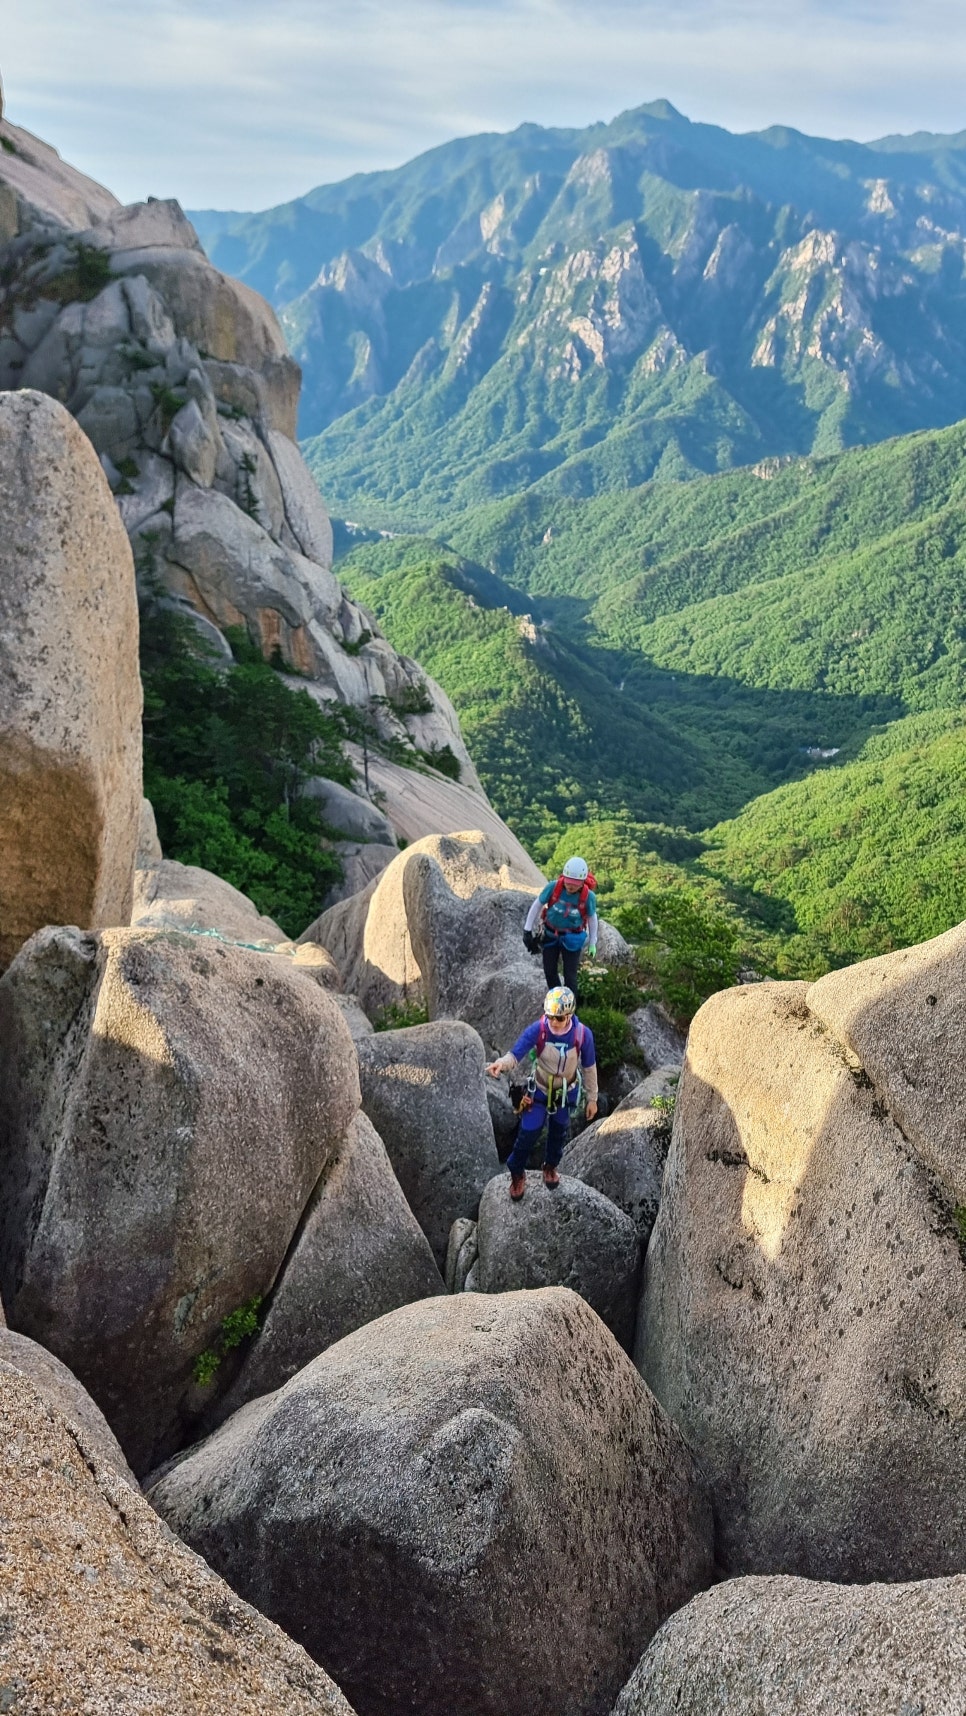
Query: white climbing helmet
column 576, row 869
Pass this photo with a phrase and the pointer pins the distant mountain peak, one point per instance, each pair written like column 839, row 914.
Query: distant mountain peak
column 577, row 310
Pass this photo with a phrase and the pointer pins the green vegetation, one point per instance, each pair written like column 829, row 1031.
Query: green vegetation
column 167, row 403
column 612, row 1038
column 740, row 694
column 740, row 698
column 238, row 1326
column 856, row 861
column 665, row 1105
column 225, row 754
column 83, row 279
column 399, row 1015
column 691, row 950
column 554, row 739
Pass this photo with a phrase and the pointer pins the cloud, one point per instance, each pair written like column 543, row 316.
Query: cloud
column 232, row 103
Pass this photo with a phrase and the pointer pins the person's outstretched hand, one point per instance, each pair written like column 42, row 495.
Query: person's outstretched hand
column 494, row 1069
column 591, row 1111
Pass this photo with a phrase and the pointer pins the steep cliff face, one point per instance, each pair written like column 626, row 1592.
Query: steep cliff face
column 181, row 379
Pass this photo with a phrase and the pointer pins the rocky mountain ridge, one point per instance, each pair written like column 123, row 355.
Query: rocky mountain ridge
column 574, row 311
column 181, row 380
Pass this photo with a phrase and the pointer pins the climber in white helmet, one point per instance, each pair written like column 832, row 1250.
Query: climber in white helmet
column 562, row 923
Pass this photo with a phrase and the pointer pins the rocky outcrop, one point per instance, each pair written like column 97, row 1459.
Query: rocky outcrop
column 443, row 925
column 371, row 936
column 180, row 377
column 791, row 1646
column 419, row 805
column 412, row 1487
column 36, row 186
column 104, row 1610
column 355, row 817
column 623, row 1156
column 361, row 864
column 470, row 954
column 805, row 1297
column 571, row 1236
column 70, row 695
column 167, row 1108
column 358, row 1253
column 423, row 1090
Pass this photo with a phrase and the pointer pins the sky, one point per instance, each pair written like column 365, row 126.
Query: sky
column 243, row 104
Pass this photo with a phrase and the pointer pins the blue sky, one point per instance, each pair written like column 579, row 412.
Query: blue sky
column 245, row 103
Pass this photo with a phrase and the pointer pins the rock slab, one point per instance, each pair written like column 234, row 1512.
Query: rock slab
column 70, row 691
column 804, row 1308
column 471, row 1504
column 105, row 1611
column 359, row 1252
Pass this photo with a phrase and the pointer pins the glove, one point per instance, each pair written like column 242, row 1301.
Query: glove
column 592, row 951
column 528, row 941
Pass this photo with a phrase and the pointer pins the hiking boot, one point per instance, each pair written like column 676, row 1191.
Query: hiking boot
column 518, row 1185
column 550, row 1176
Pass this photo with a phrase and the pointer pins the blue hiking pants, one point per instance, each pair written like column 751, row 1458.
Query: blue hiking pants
column 531, row 1125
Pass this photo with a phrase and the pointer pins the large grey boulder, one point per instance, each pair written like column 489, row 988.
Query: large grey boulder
column 471, row 1504
column 70, row 693
column 104, row 1610
column 656, row 1036
column 804, row 1309
column 623, row 1156
column 791, row 1647
column 36, row 185
column 370, row 936
column 362, row 863
column 423, row 1090
column 167, row 1108
column 358, row 1253
column 571, row 1236
column 471, row 956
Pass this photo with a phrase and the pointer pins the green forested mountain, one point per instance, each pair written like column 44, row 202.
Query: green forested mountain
column 571, row 312
column 746, row 685
column 841, row 576
column 693, row 650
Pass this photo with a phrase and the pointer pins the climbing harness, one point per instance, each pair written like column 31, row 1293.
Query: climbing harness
column 556, row 1092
